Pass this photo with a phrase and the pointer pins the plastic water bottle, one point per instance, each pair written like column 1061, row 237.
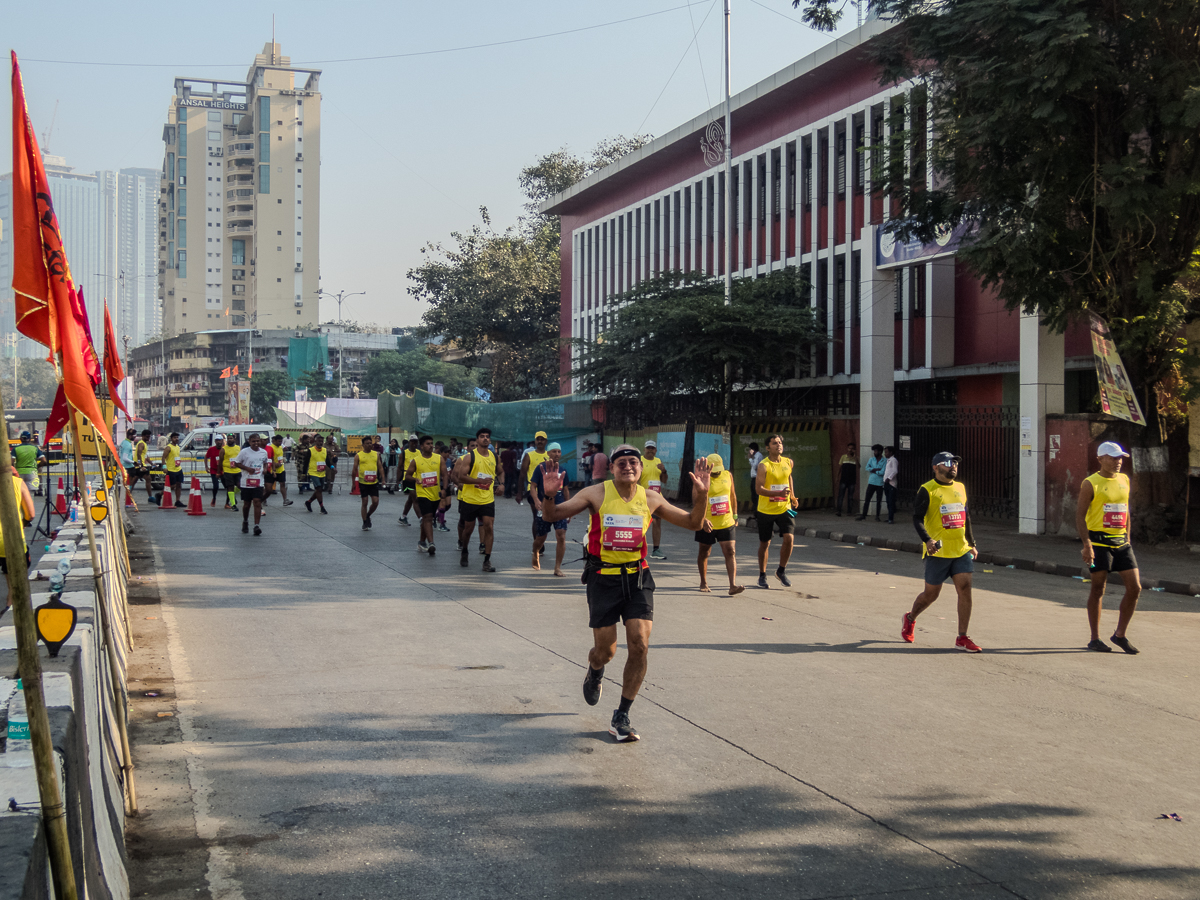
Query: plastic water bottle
column 74, row 512
column 19, row 752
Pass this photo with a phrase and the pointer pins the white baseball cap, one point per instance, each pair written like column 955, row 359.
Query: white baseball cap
column 1110, row 448
column 652, row 444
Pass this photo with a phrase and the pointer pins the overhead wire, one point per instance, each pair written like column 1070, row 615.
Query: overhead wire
column 414, row 53
column 671, row 77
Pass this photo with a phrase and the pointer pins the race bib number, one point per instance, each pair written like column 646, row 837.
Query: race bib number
column 253, row 479
column 655, row 486
column 320, row 468
column 623, row 533
column 1116, row 515
column 954, row 515
column 782, row 488
column 429, row 479
column 368, row 477
column 718, row 506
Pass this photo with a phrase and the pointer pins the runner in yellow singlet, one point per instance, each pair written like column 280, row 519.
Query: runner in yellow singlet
column 654, row 479
column 1104, row 524
column 776, row 500
column 943, row 523
column 533, row 458
column 720, row 520
column 318, row 471
column 476, row 473
column 366, row 469
column 619, row 583
column 427, row 471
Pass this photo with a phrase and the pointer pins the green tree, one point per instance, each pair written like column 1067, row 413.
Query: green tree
column 1069, row 131
column 674, row 336
column 313, row 380
column 267, row 388
column 400, row 373
column 497, row 294
column 36, row 384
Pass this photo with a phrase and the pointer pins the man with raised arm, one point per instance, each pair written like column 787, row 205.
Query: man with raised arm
column 619, row 583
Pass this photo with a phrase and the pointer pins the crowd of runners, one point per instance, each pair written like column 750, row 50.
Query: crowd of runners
column 625, row 506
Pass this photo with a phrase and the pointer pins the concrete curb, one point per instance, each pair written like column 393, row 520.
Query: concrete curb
column 1032, row 565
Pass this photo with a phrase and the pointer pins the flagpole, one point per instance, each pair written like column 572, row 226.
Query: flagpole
column 29, row 665
column 114, row 670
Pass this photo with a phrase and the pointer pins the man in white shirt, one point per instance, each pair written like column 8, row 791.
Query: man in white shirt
column 755, row 457
column 252, row 460
column 891, row 480
column 287, row 448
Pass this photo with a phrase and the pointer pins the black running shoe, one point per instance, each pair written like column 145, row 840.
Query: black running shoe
column 432, row 549
column 308, row 505
column 257, row 531
column 370, row 524
column 245, row 527
column 1124, row 644
column 288, row 502
column 782, row 576
column 1099, row 646
column 593, row 686
column 324, row 511
column 464, row 560
column 762, row 581
column 481, row 547
column 620, row 727
column 366, row 527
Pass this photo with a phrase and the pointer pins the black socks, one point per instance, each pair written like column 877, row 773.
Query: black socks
column 625, row 704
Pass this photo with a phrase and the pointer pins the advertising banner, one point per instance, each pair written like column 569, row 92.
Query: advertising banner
column 808, row 450
column 1116, row 391
column 890, row 252
column 237, row 401
column 87, row 434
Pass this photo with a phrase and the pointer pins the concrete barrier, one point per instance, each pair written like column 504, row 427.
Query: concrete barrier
column 79, row 690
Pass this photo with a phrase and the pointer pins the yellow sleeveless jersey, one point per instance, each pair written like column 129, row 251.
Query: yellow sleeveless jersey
column 171, row 461
column 778, row 478
column 535, row 460
column 276, row 458
column 368, row 466
column 228, row 452
column 946, row 518
column 1108, row 514
column 426, row 476
column 17, row 484
column 617, row 533
column 484, row 467
column 652, row 475
column 720, row 511
column 409, row 455
column 316, row 462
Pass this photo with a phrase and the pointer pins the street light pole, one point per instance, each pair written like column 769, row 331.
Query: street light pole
column 341, row 297
column 728, row 170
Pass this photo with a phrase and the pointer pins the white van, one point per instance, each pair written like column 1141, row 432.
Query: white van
column 196, row 442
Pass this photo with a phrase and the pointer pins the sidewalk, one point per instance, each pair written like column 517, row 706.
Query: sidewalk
column 1000, row 544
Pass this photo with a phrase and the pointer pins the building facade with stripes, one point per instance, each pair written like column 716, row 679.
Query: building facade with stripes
column 918, row 355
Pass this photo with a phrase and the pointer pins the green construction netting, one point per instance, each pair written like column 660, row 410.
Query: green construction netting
column 288, row 423
column 561, row 417
column 306, row 354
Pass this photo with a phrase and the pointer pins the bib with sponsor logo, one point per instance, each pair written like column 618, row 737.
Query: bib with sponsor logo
column 1108, row 513
column 946, row 518
column 720, row 508
column 777, row 475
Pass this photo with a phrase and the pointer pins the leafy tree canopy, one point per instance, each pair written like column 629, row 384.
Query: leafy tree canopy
column 400, row 373
column 36, row 384
column 674, row 335
column 267, row 388
column 1069, row 131
column 496, row 293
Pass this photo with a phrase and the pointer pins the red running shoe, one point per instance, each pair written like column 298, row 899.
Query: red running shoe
column 907, row 626
column 964, row 643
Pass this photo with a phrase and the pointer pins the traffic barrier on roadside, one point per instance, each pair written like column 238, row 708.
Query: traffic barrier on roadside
column 60, row 501
column 196, row 500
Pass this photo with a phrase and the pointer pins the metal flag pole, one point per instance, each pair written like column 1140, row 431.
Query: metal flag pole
column 728, row 171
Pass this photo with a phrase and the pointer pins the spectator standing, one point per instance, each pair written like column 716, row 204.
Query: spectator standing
column 875, row 467
column 755, row 457
column 599, row 464
column 847, row 480
column 891, row 481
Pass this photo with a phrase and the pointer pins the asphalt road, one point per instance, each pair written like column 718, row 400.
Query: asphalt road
column 357, row 720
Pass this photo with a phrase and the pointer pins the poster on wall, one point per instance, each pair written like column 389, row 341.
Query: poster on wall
column 237, row 401
column 1116, row 391
column 808, row 450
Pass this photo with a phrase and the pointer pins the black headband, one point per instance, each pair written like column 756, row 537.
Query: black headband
column 624, row 451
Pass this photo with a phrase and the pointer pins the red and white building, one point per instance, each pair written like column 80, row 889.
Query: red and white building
column 919, row 356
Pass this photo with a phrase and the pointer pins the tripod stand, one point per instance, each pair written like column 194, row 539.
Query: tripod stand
column 48, row 512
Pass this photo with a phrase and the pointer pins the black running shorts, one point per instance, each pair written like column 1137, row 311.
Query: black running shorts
column 716, row 536
column 472, row 511
column 249, row 494
column 426, row 507
column 368, row 490
column 767, row 524
column 617, row 598
column 231, row 480
column 1113, row 559
column 409, row 486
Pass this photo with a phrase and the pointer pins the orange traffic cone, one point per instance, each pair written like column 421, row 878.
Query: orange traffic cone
column 60, row 501
column 166, row 501
column 196, row 500
column 355, row 492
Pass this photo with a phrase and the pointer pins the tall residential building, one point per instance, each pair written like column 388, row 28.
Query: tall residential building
column 108, row 225
column 239, row 202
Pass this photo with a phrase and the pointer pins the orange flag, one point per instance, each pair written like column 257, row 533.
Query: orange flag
column 233, row 372
column 41, row 275
column 225, row 372
column 112, row 363
column 40, row 269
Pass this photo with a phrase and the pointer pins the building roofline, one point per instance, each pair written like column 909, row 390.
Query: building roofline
column 803, row 66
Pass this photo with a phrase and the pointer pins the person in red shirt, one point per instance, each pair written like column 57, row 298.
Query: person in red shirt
column 212, row 462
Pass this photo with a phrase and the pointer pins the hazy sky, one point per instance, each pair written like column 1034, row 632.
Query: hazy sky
column 411, row 146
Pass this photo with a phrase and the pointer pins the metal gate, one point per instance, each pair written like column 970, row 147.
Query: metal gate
column 987, row 439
